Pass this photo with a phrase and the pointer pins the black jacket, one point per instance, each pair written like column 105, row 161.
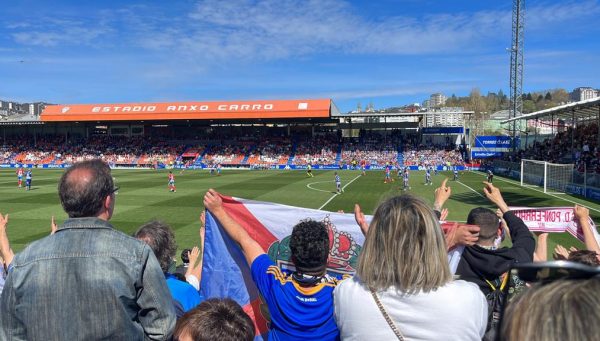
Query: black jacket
column 478, row 264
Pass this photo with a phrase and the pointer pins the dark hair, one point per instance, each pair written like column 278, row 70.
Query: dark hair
column 84, row 187
column 216, row 319
column 185, row 255
column 487, row 221
column 586, row 257
column 309, row 244
column 161, row 240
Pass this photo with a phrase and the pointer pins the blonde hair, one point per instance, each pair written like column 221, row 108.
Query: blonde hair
column 404, row 248
column 561, row 310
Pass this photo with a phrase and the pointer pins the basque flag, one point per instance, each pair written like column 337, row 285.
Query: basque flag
column 225, row 272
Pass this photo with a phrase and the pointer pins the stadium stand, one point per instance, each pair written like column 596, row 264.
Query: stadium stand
column 374, row 151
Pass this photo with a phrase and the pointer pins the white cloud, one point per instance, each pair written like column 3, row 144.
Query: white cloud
column 271, row 30
column 215, row 30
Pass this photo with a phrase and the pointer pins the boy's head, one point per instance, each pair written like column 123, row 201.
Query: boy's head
column 487, row 221
column 309, row 244
column 586, row 257
column 185, row 258
column 215, row 319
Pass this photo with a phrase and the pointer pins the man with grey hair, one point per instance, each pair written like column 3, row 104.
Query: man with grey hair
column 87, row 281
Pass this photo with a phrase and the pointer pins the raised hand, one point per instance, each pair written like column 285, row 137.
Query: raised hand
column 360, row 219
column 203, row 219
column 3, row 221
column 581, row 213
column 493, row 194
column 53, row 226
column 193, row 255
column 442, row 194
column 560, row 253
column 212, row 200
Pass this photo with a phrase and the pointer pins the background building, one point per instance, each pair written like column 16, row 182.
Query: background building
column 584, row 93
column 437, row 100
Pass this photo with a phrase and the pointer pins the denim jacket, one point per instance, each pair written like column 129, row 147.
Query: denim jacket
column 88, row 281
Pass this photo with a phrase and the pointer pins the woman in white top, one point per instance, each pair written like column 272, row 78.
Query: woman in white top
column 404, row 265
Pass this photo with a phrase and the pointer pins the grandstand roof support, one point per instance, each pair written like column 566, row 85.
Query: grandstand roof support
column 516, row 67
column 598, row 125
column 573, row 125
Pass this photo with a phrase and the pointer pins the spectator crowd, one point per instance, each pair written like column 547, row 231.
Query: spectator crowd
column 417, row 278
column 578, row 146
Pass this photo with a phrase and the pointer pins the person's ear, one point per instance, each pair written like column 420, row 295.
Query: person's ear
column 108, row 202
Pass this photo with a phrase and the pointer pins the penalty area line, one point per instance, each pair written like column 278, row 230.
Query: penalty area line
column 336, row 194
column 469, row 187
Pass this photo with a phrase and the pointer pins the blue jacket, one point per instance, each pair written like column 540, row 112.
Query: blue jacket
column 183, row 293
column 88, row 281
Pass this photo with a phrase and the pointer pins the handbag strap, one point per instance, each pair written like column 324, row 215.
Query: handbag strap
column 387, row 317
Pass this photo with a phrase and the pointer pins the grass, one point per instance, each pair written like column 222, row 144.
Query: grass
column 143, row 196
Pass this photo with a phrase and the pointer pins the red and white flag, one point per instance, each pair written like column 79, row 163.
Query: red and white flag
column 225, row 272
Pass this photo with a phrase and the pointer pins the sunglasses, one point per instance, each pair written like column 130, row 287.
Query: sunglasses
column 551, row 271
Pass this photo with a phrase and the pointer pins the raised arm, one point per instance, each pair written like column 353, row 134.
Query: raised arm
column 442, row 194
column 53, row 226
column 250, row 248
column 541, row 248
column 359, row 216
column 5, row 250
column 582, row 215
column 522, row 240
column 196, row 255
column 493, row 194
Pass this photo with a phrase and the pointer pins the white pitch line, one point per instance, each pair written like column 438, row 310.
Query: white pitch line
column 552, row 195
column 469, row 187
column 319, row 182
column 336, row 194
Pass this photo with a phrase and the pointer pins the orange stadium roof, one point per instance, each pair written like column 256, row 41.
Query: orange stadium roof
column 275, row 109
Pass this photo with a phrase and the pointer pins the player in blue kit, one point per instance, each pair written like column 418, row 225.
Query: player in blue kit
column 338, row 183
column 28, row 178
column 405, row 181
column 428, row 177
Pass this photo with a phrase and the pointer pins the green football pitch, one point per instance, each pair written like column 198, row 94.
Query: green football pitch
column 143, row 196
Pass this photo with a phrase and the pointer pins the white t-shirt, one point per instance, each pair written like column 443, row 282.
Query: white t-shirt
column 456, row 311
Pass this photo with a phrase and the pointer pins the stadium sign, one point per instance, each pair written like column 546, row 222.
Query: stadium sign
column 291, row 109
column 494, row 142
column 442, row 130
column 184, row 108
column 485, row 154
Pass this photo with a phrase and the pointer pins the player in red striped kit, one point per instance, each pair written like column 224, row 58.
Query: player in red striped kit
column 172, row 182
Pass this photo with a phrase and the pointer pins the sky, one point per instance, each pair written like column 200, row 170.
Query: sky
column 386, row 52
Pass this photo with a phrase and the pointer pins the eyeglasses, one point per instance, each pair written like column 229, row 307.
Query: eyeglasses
column 551, row 271
column 115, row 190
